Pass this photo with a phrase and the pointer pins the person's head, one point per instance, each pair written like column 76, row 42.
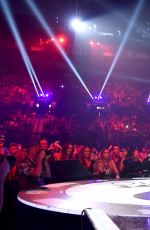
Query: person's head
column 68, row 149
column 116, row 150
column 136, row 154
column 121, row 154
column 94, row 154
column 86, row 152
column 143, row 155
column 43, row 143
column 57, row 155
column 13, row 148
column 125, row 152
column 105, row 154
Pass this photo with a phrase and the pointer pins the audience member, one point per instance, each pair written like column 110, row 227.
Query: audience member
column 105, row 166
column 34, row 169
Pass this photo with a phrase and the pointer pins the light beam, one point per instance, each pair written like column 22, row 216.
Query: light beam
column 15, row 32
column 148, row 100
column 46, row 27
column 123, row 42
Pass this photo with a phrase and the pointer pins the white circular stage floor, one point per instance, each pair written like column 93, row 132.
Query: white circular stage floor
column 117, row 198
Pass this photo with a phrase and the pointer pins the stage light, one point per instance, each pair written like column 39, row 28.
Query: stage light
column 50, row 106
column 78, row 25
column 123, row 42
column 46, row 94
column 62, row 86
column 91, row 43
column 61, row 40
column 52, row 39
column 15, row 32
column 98, row 99
column 37, row 105
column 46, row 27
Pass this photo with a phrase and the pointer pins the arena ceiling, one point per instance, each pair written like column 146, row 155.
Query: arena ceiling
column 65, row 9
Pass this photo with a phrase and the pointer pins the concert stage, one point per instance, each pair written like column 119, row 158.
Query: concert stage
column 127, row 202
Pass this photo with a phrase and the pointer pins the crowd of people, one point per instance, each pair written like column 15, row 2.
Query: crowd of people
column 15, row 91
column 31, row 166
column 108, row 144
column 125, row 120
column 126, row 94
column 101, row 131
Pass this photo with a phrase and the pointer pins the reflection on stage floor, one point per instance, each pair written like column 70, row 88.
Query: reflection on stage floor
column 127, row 202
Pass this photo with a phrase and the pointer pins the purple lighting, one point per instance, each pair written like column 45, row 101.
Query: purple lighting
column 148, row 100
column 61, row 86
column 97, row 98
column 46, row 94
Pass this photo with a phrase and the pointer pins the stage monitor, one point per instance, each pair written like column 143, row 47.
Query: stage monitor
column 67, row 170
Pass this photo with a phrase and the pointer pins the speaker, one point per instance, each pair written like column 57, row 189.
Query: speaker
column 68, row 170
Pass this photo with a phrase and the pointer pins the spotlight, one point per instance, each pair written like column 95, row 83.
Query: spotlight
column 62, row 86
column 37, row 105
column 78, row 25
column 148, row 100
column 50, row 106
column 91, row 43
column 46, row 94
column 61, row 40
